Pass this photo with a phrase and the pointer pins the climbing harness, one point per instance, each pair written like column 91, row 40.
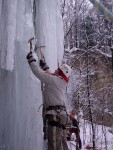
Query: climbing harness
column 58, row 107
column 56, row 121
column 57, row 124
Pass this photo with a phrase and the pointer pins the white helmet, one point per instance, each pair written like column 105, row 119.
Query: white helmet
column 66, row 70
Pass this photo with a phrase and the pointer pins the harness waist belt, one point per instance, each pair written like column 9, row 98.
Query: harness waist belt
column 57, row 124
column 56, row 108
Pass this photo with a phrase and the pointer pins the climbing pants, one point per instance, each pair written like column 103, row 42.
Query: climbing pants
column 57, row 134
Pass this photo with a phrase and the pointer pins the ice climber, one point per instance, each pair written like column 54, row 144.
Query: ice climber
column 75, row 129
column 53, row 101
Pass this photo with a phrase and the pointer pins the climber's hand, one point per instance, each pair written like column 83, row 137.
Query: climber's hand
column 43, row 65
column 30, row 58
column 29, row 55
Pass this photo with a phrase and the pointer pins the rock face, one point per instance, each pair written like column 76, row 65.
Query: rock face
column 93, row 79
column 20, row 92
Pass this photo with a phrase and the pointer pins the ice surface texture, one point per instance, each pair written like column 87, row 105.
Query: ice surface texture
column 20, row 91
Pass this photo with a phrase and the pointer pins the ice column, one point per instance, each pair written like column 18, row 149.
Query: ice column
column 48, row 19
column 20, row 91
column 8, row 30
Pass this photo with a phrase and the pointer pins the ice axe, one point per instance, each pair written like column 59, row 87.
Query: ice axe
column 30, row 42
column 40, row 47
column 36, row 47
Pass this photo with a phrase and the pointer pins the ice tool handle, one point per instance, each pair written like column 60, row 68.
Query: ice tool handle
column 30, row 42
column 42, row 55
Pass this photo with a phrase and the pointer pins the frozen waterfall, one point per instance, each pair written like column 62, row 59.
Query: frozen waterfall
column 20, row 91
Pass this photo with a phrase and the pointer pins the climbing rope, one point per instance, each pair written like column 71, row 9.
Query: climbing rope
column 103, row 10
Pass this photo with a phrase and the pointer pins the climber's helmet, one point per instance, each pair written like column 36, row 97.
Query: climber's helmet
column 66, row 70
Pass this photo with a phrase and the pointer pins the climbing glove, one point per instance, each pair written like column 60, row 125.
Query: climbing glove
column 43, row 65
column 30, row 58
